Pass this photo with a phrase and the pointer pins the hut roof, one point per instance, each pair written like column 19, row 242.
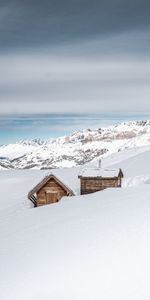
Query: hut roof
column 101, row 173
column 44, row 181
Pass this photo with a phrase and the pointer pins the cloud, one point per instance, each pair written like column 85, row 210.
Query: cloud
column 34, row 23
column 81, row 56
column 45, row 83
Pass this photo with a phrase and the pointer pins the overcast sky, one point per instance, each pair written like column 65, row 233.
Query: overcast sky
column 74, row 56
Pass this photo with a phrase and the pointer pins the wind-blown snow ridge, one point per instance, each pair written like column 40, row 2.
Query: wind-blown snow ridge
column 76, row 149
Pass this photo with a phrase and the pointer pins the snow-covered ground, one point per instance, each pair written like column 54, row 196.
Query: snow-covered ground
column 84, row 247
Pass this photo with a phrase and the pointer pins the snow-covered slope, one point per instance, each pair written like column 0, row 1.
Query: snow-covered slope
column 84, row 247
column 77, row 149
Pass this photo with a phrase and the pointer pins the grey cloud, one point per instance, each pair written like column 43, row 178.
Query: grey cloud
column 34, row 23
column 30, row 82
column 79, row 56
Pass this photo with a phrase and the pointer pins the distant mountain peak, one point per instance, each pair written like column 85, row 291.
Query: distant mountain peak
column 78, row 148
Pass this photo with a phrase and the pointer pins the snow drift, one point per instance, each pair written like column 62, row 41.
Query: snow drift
column 85, row 247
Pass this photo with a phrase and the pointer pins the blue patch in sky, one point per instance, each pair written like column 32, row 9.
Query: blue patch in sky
column 44, row 126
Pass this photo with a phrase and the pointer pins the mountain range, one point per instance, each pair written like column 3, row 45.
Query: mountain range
column 76, row 149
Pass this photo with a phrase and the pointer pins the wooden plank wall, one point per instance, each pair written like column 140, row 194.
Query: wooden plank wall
column 53, row 186
column 91, row 185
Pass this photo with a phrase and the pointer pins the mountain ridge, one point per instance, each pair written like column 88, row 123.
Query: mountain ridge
column 76, row 149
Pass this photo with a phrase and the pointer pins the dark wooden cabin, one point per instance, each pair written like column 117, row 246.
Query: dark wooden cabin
column 49, row 190
column 94, row 180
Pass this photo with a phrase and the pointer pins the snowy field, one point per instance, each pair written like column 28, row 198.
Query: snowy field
column 94, row 247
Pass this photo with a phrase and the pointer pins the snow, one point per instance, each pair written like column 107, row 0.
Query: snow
column 136, row 169
column 77, row 149
column 84, row 247
column 98, row 172
column 12, row 151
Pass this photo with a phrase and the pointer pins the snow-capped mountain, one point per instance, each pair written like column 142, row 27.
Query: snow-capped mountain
column 76, row 149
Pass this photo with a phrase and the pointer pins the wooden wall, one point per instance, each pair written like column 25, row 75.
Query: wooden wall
column 51, row 192
column 91, row 185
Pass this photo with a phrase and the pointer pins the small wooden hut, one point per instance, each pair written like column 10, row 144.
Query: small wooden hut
column 93, row 180
column 49, row 190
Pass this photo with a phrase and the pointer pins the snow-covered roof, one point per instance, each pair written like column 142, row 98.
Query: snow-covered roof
column 98, row 172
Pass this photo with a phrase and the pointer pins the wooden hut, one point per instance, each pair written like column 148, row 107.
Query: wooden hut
column 49, row 190
column 93, row 180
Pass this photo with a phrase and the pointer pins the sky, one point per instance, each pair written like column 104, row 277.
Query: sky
column 71, row 56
